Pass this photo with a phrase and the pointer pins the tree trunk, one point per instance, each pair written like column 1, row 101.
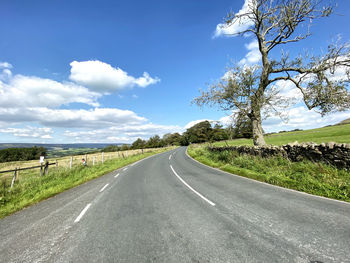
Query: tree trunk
column 258, row 136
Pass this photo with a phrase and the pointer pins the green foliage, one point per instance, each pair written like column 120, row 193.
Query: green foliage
column 201, row 132
column 243, row 127
column 172, row 139
column 21, row 154
column 306, row 176
column 138, row 144
column 218, row 133
column 155, row 142
column 112, row 148
column 70, row 151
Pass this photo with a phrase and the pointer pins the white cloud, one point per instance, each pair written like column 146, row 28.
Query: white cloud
column 6, row 72
column 253, row 56
column 122, row 133
column 302, row 118
column 37, row 101
column 29, row 131
column 23, row 91
column 94, row 118
column 102, row 77
column 5, row 65
column 238, row 25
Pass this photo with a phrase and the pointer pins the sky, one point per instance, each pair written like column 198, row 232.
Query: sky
column 114, row 71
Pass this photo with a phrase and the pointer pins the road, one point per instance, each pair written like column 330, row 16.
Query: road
column 170, row 208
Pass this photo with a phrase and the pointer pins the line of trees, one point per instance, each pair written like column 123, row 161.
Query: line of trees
column 21, row 154
column 199, row 133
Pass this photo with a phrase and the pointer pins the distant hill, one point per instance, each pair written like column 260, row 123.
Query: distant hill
column 346, row 121
column 55, row 146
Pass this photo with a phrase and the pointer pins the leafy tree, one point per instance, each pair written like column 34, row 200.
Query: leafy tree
column 125, row 147
column 154, row 142
column 201, row 132
column 218, row 133
column 21, row 154
column 138, row 144
column 172, row 139
column 242, row 126
column 111, row 148
column 252, row 89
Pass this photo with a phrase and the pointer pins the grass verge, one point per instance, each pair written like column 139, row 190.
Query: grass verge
column 33, row 189
column 306, row 176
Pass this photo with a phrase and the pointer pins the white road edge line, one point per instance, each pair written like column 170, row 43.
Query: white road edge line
column 183, row 181
column 82, row 213
column 116, row 175
column 125, row 169
column 103, row 188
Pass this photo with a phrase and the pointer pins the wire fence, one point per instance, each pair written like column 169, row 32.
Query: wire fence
column 11, row 170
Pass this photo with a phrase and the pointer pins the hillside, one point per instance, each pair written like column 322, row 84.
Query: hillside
column 337, row 133
column 346, row 121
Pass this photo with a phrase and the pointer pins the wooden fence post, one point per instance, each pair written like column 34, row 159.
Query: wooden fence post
column 56, row 165
column 14, row 178
column 86, row 159
column 46, row 169
column 93, row 161
column 71, row 162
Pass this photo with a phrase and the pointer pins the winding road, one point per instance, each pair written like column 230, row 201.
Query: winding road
column 170, row 208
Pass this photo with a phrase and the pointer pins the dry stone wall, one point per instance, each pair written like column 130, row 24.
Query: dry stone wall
column 336, row 154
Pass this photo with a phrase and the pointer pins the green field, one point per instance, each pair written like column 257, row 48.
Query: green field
column 314, row 178
column 337, row 133
column 60, row 152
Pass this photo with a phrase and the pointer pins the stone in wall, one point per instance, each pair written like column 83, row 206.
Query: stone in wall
column 336, row 154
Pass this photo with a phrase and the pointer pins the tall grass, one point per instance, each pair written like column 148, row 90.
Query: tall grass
column 314, row 178
column 32, row 188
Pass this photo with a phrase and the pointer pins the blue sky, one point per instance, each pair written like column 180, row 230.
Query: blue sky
column 73, row 71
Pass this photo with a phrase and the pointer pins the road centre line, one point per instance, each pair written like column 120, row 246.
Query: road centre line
column 82, row 213
column 103, row 188
column 170, row 157
column 116, row 175
column 126, row 168
column 200, row 195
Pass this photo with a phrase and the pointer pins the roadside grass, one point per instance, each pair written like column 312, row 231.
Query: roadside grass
column 306, row 176
column 31, row 189
column 337, row 133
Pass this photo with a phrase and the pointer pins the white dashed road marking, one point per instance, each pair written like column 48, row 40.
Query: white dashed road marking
column 103, row 188
column 82, row 213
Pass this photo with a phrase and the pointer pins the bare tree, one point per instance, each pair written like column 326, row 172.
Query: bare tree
column 251, row 89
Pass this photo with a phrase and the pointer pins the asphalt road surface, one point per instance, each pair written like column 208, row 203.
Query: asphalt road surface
column 169, row 208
